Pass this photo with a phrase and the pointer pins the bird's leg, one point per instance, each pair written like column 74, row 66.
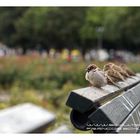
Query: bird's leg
column 90, row 85
column 133, row 77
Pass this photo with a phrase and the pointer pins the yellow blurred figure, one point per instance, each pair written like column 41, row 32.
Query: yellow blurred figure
column 75, row 54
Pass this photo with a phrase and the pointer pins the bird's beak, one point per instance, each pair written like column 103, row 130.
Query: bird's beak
column 86, row 70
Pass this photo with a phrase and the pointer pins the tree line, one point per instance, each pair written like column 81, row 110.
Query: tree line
column 70, row 27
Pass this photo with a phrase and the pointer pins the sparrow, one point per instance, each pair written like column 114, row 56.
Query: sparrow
column 114, row 72
column 95, row 76
column 127, row 70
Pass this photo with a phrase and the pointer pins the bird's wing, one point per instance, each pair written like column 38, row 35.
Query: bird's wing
column 102, row 72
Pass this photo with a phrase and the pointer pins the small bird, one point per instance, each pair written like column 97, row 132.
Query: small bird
column 95, row 76
column 122, row 70
column 114, row 72
column 127, row 70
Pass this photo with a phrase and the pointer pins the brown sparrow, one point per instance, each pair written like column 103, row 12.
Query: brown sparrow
column 123, row 72
column 95, row 76
column 114, row 71
column 127, row 70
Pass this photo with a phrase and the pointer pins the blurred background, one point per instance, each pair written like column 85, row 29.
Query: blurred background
column 44, row 52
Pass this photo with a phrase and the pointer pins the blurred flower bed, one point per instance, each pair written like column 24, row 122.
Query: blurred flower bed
column 45, row 82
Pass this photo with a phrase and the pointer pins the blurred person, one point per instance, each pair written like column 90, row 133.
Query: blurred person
column 93, row 54
column 102, row 55
column 75, row 54
column 52, row 53
column 87, row 57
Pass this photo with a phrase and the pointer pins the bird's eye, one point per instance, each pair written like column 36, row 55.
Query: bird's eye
column 89, row 69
